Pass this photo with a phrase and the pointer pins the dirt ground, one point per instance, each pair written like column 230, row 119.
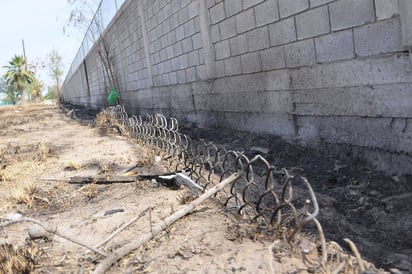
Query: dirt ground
column 41, row 147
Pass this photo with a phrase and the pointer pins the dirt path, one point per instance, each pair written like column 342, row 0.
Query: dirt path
column 41, row 147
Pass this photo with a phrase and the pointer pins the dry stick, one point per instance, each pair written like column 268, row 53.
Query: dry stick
column 356, row 253
column 57, row 232
column 123, row 227
column 107, row 262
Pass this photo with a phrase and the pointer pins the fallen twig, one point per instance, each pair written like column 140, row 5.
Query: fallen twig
column 55, row 231
column 107, row 262
column 123, row 227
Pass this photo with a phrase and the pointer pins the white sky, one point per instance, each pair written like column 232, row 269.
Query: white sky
column 40, row 23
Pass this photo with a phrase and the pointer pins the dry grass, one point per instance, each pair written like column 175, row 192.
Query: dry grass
column 15, row 259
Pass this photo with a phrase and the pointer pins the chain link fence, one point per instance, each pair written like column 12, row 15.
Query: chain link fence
column 105, row 12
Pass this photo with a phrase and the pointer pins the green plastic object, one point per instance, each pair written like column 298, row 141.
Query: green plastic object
column 113, row 97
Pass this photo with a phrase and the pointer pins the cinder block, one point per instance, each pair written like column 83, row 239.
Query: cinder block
column 180, row 33
column 406, row 23
column 193, row 58
column 267, row 12
column 238, row 44
column 222, row 49
column 197, row 41
column 316, row 3
column 227, row 28
column 251, row 62
column 245, row 21
column 288, row 7
column 189, row 28
column 273, row 58
column 178, row 48
column 232, row 66
column 193, row 9
column 187, row 44
column 232, row 7
column 377, row 38
column 191, row 74
column 300, row 53
column 386, row 8
column 217, row 13
column 181, row 76
column 214, row 33
column 219, row 68
column 335, row 46
column 313, row 22
column 183, row 16
column 258, row 38
column 183, row 61
column 201, row 72
column 350, row 13
column 282, row 32
column 250, row 3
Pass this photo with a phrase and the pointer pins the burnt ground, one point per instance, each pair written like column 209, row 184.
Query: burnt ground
column 370, row 207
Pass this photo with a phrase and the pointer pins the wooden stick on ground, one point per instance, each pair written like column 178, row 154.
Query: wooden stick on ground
column 107, row 262
column 56, row 231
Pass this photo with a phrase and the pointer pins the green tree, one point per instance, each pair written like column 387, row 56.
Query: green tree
column 55, row 66
column 18, row 76
column 10, row 94
column 34, row 90
column 52, row 93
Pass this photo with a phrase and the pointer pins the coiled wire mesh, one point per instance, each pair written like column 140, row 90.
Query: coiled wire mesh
column 263, row 194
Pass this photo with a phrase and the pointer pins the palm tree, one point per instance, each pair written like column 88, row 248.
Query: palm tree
column 34, row 90
column 18, row 76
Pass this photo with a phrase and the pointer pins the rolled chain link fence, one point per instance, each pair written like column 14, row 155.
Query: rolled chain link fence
column 266, row 195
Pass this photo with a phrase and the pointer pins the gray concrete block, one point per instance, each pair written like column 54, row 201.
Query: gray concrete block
column 288, row 8
column 258, row 38
column 220, row 68
column 201, row 72
column 214, row 33
column 282, row 32
column 335, row 46
column 191, row 74
column 180, row 33
column 277, row 80
column 181, row 76
column 197, row 41
column 386, row 8
column 273, row 58
column 227, row 28
column 233, row 66
column 187, row 44
column 183, row 61
column 232, row 7
column 267, row 12
column 189, row 28
column 316, row 3
column 193, row 9
column 178, row 48
column 378, row 101
column 313, row 22
column 238, row 44
column 245, row 21
column 251, row 62
column 250, row 3
column 217, row 13
column 350, row 13
column 222, row 49
column 193, row 58
column 355, row 72
column 380, row 37
column 300, row 53
column 406, row 23
column 183, row 16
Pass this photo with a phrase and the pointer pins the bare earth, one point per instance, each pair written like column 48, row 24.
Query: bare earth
column 40, row 148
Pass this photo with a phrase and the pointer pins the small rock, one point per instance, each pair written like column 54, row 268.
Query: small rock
column 260, row 150
column 158, row 159
column 13, row 217
column 37, row 232
column 374, row 193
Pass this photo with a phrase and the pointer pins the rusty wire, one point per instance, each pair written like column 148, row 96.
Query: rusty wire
column 263, row 193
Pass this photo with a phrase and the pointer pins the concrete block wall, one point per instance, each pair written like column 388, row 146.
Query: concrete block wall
column 311, row 71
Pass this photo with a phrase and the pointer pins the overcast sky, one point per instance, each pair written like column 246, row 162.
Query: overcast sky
column 40, row 23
